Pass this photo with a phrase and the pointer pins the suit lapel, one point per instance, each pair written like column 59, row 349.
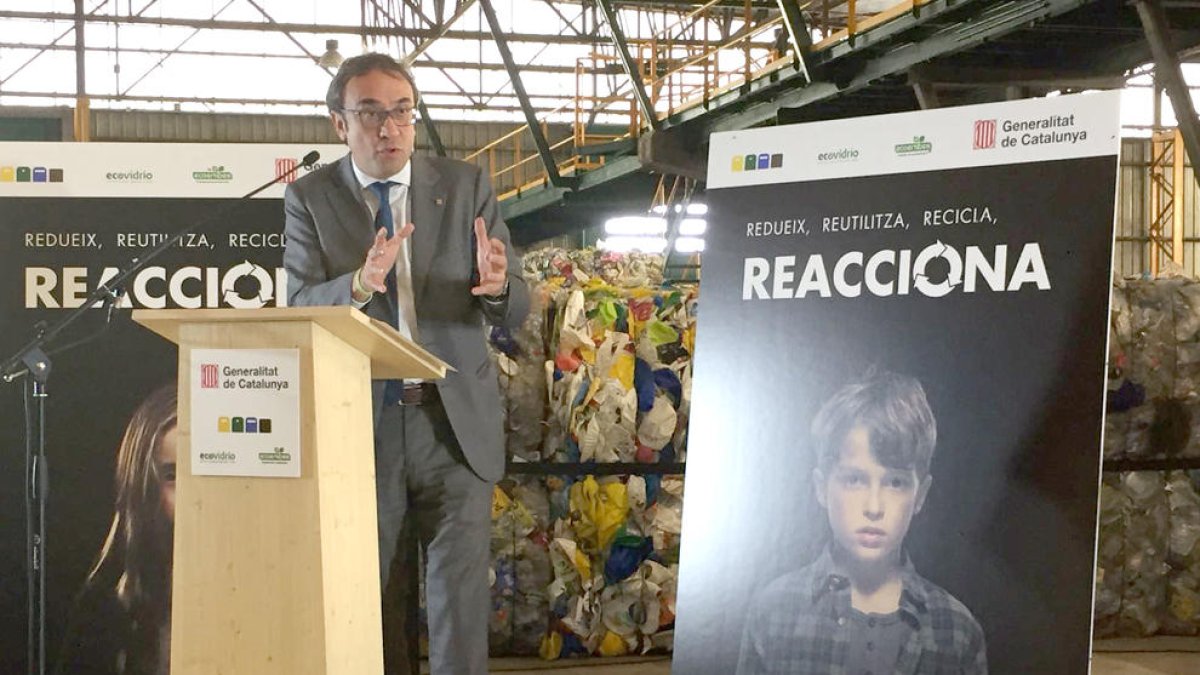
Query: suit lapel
column 428, row 205
column 345, row 198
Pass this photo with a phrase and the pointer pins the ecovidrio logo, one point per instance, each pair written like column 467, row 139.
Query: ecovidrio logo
column 840, row 155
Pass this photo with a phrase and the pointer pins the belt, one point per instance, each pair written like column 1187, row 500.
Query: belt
column 399, row 392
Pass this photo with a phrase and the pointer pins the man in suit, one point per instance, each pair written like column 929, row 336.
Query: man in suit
column 417, row 242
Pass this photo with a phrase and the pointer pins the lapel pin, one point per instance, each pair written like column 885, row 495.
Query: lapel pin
column 438, row 201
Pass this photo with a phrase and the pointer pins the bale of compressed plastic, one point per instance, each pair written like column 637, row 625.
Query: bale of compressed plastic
column 1110, row 558
column 1147, row 528
column 1151, row 346
column 519, row 357
column 1183, row 584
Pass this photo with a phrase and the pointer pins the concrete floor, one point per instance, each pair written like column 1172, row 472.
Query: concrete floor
column 1154, row 656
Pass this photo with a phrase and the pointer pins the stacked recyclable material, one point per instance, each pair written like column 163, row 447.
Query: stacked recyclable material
column 1148, row 573
column 1148, row 569
column 520, row 570
column 1154, row 370
column 600, row 373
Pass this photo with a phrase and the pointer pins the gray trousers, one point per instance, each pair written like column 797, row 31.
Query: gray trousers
column 426, row 491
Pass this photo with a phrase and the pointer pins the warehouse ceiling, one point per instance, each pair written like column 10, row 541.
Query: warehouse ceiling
column 699, row 68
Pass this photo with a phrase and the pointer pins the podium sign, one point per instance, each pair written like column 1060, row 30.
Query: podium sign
column 246, row 412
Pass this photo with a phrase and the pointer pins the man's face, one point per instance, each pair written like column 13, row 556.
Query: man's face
column 379, row 151
column 870, row 506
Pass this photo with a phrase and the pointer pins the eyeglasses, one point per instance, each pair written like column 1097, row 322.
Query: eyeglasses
column 374, row 118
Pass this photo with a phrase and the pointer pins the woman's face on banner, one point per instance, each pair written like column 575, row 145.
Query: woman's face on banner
column 164, row 466
column 870, row 506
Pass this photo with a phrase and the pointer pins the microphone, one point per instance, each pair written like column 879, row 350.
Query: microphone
column 310, row 159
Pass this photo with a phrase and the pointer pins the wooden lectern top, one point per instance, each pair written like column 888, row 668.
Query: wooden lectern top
column 392, row 355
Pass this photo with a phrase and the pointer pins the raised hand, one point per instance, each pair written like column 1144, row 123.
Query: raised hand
column 491, row 261
column 381, row 259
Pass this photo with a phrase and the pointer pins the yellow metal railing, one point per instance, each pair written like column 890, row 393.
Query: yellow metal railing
column 677, row 76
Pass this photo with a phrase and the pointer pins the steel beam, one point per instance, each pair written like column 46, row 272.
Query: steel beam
column 799, row 34
column 759, row 101
column 631, row 70
column 53, row 45
column 462, row 8
column 290, row 37
column 334, row 29
column 531, row 119
column 83, row 130
column 1167, row 71
column 435, row 139
column 169, row 53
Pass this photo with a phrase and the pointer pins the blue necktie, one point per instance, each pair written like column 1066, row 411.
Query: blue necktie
column 393, row 390
column 383, row 190
column 384, row 219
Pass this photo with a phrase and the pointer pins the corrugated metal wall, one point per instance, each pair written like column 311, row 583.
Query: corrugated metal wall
column 460, row 138
column 1132, row 256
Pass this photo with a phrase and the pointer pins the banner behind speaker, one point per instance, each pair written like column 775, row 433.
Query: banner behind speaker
column 71, row 214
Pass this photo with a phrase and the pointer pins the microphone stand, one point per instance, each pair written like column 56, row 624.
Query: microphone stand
column 33, row 360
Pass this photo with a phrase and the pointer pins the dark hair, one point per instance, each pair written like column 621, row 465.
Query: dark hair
column 894, row 411
column 135, row 562
column 361, row 65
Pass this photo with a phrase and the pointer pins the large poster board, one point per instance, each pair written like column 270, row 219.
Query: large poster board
column 71, row 214
column 898, row 394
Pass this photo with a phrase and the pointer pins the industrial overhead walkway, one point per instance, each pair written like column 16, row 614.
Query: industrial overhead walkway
column 806, row 61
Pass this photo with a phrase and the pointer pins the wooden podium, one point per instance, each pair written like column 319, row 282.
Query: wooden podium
column 279, row 576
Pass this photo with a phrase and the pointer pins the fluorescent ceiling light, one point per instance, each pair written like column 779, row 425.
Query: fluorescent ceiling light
column 634, row 225
column 626, row 244
column 694, row 209
column 692, row 226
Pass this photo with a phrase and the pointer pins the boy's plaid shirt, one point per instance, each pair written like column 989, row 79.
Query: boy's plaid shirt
column 799, row 623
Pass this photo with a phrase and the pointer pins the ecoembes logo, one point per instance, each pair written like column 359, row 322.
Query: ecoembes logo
column 757, row 162
column 213, row 174
column 985, row 135
column 276, row 456
column 30, row 174
column 918, row 146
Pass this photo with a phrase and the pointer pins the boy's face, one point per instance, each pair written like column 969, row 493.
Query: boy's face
column 870, row 506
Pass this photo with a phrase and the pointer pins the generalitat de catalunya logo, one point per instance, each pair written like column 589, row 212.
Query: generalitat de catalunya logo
column 208, row 376
column 30, row 174
column 985, row 135
column 285, row 169
column 756, row 162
